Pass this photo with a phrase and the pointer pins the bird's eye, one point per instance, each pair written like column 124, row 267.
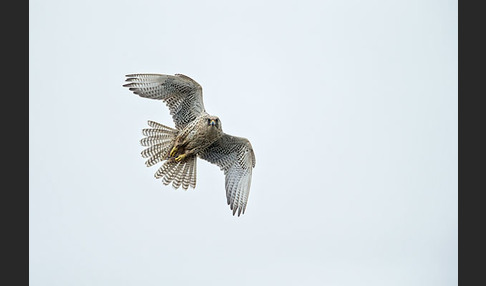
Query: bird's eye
column 209, row 121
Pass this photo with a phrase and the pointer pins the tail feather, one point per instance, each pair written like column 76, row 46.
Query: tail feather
column 156, row 139
column 159, row 139
column 192, row 182
column 155, row 132
column 160, row 148
column 157, row 125
column 177, row 181
column 163, row 170
column 185, row 179
column 155, row 159
column 169, row 175
column 178, row 173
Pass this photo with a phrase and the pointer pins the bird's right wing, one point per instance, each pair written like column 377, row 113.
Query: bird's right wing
column 180, row 93
column 235, row 156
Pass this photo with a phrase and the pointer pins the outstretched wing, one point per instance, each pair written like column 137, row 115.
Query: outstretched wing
column 180, row 93
column 234, row 155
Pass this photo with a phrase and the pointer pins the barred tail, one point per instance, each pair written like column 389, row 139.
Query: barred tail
column 159, row 140
column 178, row 173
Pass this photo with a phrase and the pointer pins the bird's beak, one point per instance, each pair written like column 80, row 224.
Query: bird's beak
column 212, row 122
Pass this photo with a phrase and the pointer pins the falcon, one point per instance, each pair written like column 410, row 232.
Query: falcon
column 196, row 134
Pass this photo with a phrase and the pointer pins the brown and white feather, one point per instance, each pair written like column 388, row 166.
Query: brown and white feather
column 235, row 156
column 181, row 94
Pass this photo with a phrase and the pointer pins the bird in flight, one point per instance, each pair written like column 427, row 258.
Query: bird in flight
column 196, row 134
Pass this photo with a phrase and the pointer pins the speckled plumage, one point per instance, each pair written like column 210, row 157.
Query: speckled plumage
column 196, row 134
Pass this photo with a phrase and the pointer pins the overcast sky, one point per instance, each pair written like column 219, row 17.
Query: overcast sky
column 351, row 108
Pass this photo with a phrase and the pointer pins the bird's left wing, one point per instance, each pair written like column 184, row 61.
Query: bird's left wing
column 235, row 156
column 182, row 94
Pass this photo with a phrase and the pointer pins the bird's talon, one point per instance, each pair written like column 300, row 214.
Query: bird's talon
column 173, row 151
column 180, row 157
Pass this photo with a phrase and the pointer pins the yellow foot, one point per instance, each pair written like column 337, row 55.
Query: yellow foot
column 173, row 151
column 180, row 157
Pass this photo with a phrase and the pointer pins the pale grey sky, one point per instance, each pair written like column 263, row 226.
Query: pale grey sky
column 351, row 108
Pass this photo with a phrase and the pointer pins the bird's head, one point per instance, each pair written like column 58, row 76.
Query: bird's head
column 214, row 122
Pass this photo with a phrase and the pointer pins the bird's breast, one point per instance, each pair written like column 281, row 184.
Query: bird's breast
column 197, row 137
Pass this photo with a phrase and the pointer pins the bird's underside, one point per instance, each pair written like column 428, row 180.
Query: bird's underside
column 197, row 134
